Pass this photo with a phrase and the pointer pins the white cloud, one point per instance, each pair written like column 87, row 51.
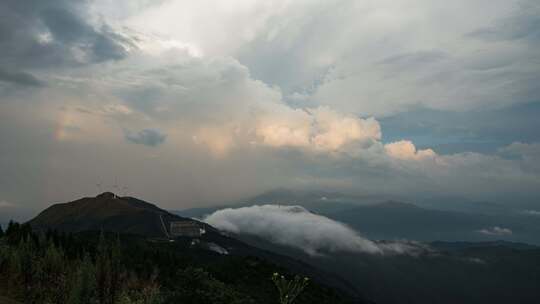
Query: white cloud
column 296, row 227
column 531, row 212
column 496, row 231
column 321, row 129
column 406, row 150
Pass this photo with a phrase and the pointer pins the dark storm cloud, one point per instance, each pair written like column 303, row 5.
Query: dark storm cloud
column 147, row 137
column 20, row 78
column 39, row 34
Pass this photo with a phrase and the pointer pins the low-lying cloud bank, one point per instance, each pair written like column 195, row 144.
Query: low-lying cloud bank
column 296, row 227
column 495, row 231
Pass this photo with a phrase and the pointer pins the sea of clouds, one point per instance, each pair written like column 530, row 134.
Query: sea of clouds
column 296, row 227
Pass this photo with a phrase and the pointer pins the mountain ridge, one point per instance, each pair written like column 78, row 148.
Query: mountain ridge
column 108, row 212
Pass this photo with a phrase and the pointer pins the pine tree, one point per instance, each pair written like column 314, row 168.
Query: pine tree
column 25, row 253
column 289, row 289
column 102, row 270
column 115, row 270
column 55, row 274
column 11, row 227
column 83, row 289
column 12, row 233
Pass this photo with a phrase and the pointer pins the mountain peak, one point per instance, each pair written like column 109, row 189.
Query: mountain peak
column 108, row 212
column 106, row 195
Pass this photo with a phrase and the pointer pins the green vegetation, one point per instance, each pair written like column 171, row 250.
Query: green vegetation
column 94, row 268
column 289, row 289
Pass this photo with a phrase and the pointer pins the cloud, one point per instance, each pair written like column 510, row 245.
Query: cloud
column 386, row 57
column 522, row 24
column 226, row 109
column 147, row 137
column 296, row 227
column 20, row 78
column 406, row 150
column 531, row 212
column 294, row 100
column 495, row 231
column 219, row 140
column 48, row 34
column 319, row 129
column 220, row 121
column 528, row 153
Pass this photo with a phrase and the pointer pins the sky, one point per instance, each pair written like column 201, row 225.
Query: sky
column 195, row 103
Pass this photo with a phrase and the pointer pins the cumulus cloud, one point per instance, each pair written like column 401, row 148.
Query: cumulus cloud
column 406, row 150
column 319, row 129
column 147, row 137
column 495, row 231
column 296, row 227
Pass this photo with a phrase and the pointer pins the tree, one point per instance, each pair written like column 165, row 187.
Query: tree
column 289, row 289
column 1, row 231
column 83, row 289
column 54, row 274
column 108, row 270
column 136, row 291
column 103, row 270
column 115, row 270
column 12, row 233
column 24, row 261
column 15, row 232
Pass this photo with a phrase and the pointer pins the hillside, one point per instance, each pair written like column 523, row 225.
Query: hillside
column 94, row 267
column 147, row 223
column 453, row 272
column 4, row 300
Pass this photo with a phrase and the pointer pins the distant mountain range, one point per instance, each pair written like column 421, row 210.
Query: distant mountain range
column 389, row 219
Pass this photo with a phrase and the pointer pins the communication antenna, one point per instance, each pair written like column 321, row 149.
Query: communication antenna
column 98, row 185
column 115, row 187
